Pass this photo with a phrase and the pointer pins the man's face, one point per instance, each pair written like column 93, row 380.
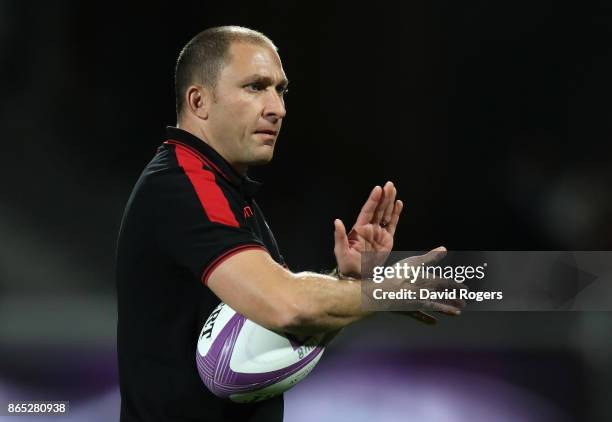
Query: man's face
column 246, row 115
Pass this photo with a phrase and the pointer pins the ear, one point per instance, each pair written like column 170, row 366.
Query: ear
column 198, row 99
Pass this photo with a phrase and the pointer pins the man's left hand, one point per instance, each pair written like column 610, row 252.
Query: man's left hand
column 373, row 231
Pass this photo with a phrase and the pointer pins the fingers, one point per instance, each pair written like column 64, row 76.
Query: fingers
column 395, row 215
column 433, row 256
column 384, row 202
column 390, row 201
column 366, row 215
column 457, row 303
column 447, row 285
column 420, row 316
column 423, row 317
column 442, row 307
column 380, row 207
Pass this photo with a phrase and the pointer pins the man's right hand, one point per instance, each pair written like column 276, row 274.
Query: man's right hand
column 420, row 306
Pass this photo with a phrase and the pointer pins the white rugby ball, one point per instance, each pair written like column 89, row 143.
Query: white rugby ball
column 245, row 362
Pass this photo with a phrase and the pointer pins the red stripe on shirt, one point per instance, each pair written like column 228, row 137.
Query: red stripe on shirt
column 199, row 154
column 209, row 270
column 211, row 196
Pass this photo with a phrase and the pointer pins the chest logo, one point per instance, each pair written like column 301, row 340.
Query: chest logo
column 248, row 212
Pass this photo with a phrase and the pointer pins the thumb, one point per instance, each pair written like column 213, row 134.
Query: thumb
column 340, row 238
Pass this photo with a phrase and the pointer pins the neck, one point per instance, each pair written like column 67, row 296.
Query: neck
column 200, row 133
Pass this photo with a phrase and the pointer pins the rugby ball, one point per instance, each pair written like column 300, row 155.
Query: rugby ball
column 245, row 362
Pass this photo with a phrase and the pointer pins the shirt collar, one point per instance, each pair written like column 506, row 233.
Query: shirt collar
column 217, row 163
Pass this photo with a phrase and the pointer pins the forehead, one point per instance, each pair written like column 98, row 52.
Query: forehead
column 248, row 59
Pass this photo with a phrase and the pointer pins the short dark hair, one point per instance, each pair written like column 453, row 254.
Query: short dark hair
column 205, row 55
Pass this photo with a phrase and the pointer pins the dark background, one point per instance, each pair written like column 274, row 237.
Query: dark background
column 492, row 118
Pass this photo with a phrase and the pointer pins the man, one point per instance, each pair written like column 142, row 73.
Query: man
column 193, row 235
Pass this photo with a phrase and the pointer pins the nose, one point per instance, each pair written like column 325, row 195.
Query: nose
column 275, row 106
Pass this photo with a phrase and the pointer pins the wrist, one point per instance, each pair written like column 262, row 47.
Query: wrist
column 341, row 276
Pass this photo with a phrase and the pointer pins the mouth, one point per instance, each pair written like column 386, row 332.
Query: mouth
column 266, row 132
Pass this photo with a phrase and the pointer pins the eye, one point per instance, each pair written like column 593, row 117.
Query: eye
column 255, row 86
column 282, row 90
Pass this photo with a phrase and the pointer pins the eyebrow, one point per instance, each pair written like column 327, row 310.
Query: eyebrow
column 267, row 80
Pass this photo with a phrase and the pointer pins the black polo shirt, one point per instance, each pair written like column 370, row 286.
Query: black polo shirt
column 188, row 211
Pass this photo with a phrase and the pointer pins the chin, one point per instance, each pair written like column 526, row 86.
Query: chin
column 260, row 161
column 263, row 156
